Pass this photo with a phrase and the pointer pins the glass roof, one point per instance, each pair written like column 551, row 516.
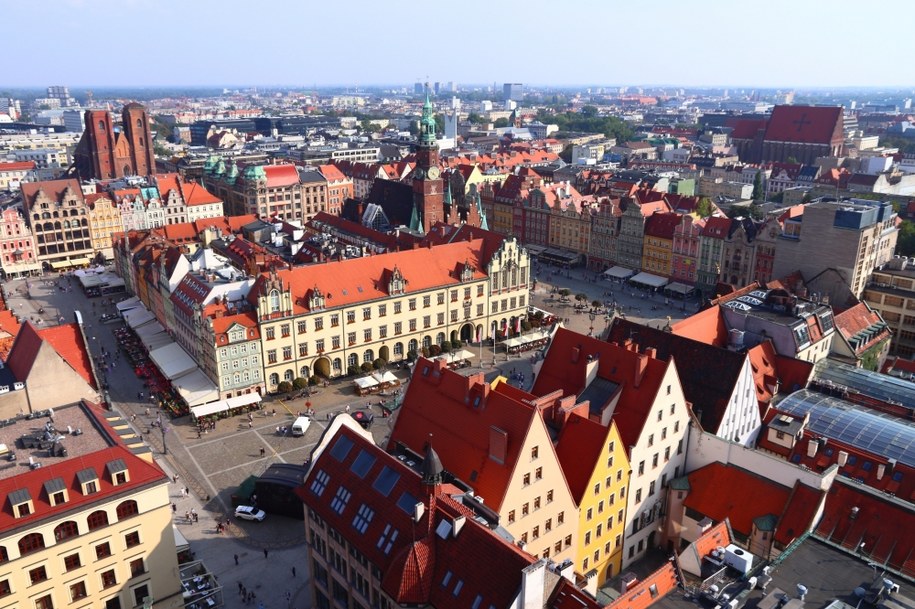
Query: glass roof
column 868, row 430
column 874, row 384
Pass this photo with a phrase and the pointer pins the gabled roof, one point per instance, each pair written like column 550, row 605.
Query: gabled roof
column 459, row 413
column 662, row 225
column 717, row 227
column 579, row 447
column 17, row 166
column 709, row 374
column 222, row 324
column 443, row 559
column 67, row 340
column 637, row 375
column 747, row 128
column 195, row 194
column 863, row 324
column 54, row 189
column 331, row 173
column 722, row 491
column 805, row 124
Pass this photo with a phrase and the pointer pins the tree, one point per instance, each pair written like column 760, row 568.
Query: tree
column 500, row 122
column 446, row 346
column 368, row 126
column 380, row 363
column 564, row 292
column 589, row 111
column 313, row 380
column 905, row 243
column 299, row 383
column 704, row 207
column 284, row 387
column 566, row 154
column 581, row 297
column 367, row 367
column 456, row 344
column 474, row 118
column 352, row 370
column 412, row 355
column 596, row 304
column 439, row 123
column 757, row 187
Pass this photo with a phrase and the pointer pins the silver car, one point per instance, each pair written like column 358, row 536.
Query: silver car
column 246, row 512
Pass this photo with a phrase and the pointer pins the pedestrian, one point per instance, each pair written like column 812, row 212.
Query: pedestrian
column 236, row 560
column 174, row 508
column 250, row 424
column 293, row 570
column 265, row 552
column 244, row 592
column 187, row 515
column 187, row 493
column 240, row 586
column 175, row 478
column 263, row 451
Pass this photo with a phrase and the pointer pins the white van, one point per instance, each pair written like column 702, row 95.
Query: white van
column 300, row 426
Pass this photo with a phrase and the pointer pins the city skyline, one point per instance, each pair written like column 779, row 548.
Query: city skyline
column 201, row 44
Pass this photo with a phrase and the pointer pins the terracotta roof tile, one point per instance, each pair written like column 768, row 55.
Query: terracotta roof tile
column 281, row 175
column 805, row 124
column 579, row 447
column 17, row 166
column 67, row 340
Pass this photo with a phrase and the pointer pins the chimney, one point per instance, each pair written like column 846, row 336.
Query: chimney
column 576, row 354
column 591, row 370
column 812, row 447
column 651, row 352
column 843, row 458
column 532, row 585
column 641, row 365
column 459, row 523
column 881, row 469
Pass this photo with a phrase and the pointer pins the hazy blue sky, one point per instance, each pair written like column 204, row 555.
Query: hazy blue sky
column 789, row 43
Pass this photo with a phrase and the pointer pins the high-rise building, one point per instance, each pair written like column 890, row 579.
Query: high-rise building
column 105, row 152
column 74, row 120
column 62, row 94
column 513, row 91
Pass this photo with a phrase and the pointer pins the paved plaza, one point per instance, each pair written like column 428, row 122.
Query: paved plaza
column 213, row 465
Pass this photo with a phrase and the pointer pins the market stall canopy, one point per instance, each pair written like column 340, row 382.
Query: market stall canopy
column 196, row 389
column 652, row 281
column 137, row 317
column 125, row 305
column 461, row 354
column 619, row 272
column 386, row 377
column 153, row 336
column 181, row 542
column 172, row 361
column 680, row 288
column 366, row 382
column 238, row 401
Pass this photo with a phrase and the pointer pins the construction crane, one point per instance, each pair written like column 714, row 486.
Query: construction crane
column 88, row 98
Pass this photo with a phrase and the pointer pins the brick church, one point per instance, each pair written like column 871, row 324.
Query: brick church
column 106, row 152
column 799, row 133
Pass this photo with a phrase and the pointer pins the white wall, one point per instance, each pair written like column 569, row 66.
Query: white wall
column 705, row 448
column 741, row 421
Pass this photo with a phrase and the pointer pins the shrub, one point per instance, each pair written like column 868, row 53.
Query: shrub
column 412, row 355
column 456, row 344
column 380, row 363
column 367, row 366
column 352, row 370
column 284, row 387
column 299, row 383
column 435, row 350
column 525, row 325
column 446, row 346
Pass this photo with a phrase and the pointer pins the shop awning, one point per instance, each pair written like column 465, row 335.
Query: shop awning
column 62, row 264
column 90, row 281
column 125, row 305
column 196, row 389
column 366, row 382
column 138, row 317
column 385, row 377
column 153, row 336
column 619, row 272
column 225, row 405
column 461, row 354
column 181, row 542
column 652, row 281
column 172, row 361
column 680, row 288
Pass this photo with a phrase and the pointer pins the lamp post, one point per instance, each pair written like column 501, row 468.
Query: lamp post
column 163, row 428
column 591, row 317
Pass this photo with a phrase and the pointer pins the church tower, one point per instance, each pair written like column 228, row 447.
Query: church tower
column 135, row 127
column 428, row 191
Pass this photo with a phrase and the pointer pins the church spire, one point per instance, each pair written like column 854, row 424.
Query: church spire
column 427, row 124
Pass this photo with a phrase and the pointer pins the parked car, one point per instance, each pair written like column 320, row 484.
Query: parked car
column 247, row 512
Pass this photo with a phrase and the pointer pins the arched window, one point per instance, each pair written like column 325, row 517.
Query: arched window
column 338, row 364
column 126, row 509
column 288, row 375
column 66, row 530
column 97, row 520
column 304, row 372
column 101, row 125
column 427, row 341
column 31, row 543
column 398, row 349
column 352, row 360
column 139, row 123
column 368, row 356
column 413, row 345
column 274, row 379
column 440, row 338
column 274, row 301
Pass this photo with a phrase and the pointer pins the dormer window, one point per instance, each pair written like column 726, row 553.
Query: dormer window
column 467, row 272
column 316, row 300
column 56, row 491
column 21, row 501
column 117, row 469
column 88, row 481
column 398, row 284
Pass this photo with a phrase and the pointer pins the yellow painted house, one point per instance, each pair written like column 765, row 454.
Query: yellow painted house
column 597, row 471
column 658, row 243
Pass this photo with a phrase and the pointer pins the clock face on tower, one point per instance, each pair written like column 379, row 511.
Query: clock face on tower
column 434, row 173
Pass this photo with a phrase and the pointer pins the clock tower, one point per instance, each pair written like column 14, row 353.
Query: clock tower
column 428, row 189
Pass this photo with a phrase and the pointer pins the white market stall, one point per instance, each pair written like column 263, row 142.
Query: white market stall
column 618, row 272
column 137, row 317
column 196, row 389
column 386, row 379
column 214, row 408
column 172, row 361
column 130, row 303
column 648, row 280
column 365, row 385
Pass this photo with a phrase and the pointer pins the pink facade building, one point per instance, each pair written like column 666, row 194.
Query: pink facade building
column 685, row 254
column 17, row 245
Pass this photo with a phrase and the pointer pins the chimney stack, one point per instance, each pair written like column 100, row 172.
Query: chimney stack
column 641, row 366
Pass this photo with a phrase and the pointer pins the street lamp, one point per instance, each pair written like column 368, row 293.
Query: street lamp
column 591, row 317
column 163, row 428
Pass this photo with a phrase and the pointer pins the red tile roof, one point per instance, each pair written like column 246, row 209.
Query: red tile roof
column 354, row 280
column 855, row 514
column 662, row 225
column 331, row 173
column 805, row 124
column 67, row 340
column 54, row 189
column 567, row 596
column 717, row 228
column 414, row 567
column 281, row 175
column 17, row 166
column 860, row 317
column 707, row 326
column 639, row 377
column 798, row 516
column 747, row 128
column 247, row 319
column 195, row 194
column 722, row 491
column 438, row 403
column 579, row 447
column 142, row 474
column 718, row 536
column 664, row 581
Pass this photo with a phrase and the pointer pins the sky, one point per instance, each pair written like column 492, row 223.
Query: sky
column 304, row 43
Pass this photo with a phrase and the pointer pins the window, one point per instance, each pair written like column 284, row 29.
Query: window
column 350, row 317
column 397, row 307
column 638, row 495
column 302, row 327
column 382, row 332
column 109, row 579
column 535, row 533
column 651, row 440
column 271, row 333
column 597, row 488
column 412, row 325
column 103, row 550
column 72, row 561
column 651, row 488
column 427, row 302
column 568, row 541
column 140, row 594
column 5, row 588
column 548, row 525
column 536, row 503
column 366, row 313
column 680, row 447
column 654, row 460
column 427, row 321
column 287, row 353
column 600, row 506
column 137, row 567
column 525, row 509
column 641, row 467
column 66, row 530
column 382, row 310
column 511, row 516
column 38, row 574
column 667, row 454
column 44, row 602
column 30, row 543
column 412, row 304
column 560, row 518
column 132, row 539
column 538, row 473
column 549, row 496
column 271, row 356
column 398, row 327
column 319, row 323
column 351, row 338
column 284, row 330
column 126, row 509
column 527, row 480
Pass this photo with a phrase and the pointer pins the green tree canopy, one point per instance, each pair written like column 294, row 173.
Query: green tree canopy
column 905, row 244
column 500, row 122
column 704, row 207
column 609, row 126
column 757, row 187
